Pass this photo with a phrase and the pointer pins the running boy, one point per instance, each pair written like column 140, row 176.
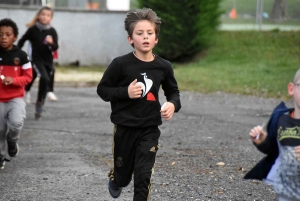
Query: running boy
column 281, row 143
column 131, row 84
column 15, row 72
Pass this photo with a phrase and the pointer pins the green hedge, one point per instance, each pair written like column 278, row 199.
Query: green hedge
column 188, row 26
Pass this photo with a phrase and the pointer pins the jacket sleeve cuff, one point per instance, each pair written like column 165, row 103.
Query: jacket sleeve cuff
column 175, row 105
column 53, row 46
column 262, row 147
column 123, row 93
column 14, row 81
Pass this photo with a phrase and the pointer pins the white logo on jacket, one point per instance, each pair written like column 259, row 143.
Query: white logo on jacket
column 147, row 86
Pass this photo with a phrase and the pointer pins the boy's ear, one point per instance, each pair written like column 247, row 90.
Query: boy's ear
column 15, row 38
column 129, row 40
column 290, row 88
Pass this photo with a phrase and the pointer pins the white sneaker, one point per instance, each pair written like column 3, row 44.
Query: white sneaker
column 51, row 96
column 27, row 97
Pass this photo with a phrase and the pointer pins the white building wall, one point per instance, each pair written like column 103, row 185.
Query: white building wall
column 118, row 5
column 90, row 37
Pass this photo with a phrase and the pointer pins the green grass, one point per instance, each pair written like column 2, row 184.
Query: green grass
column 248, row 62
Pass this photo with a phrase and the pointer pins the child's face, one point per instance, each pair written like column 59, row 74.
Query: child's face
column 45, row 17
column 7, row 37
column 143, row 37
column 294, row 90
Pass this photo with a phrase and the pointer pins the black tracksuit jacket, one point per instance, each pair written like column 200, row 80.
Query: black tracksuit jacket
column 144, row 111
column 41, row 52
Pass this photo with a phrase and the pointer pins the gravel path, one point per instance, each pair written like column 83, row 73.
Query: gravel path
column 67, row 155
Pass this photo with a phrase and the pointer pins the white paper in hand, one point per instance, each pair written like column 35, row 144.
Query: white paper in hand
column 2, row 77
column 164, row 105
column 262, row 127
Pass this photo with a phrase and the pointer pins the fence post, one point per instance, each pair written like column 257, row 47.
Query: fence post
column 259, row 11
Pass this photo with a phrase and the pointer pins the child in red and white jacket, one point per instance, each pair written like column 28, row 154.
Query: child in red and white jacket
column 15, row 73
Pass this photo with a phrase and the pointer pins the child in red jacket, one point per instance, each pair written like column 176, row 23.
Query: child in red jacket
column 15, row 73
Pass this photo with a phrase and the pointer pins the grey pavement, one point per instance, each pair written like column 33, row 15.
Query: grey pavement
column 67, row 154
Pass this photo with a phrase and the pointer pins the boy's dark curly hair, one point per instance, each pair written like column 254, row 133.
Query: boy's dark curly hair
column 9, row 23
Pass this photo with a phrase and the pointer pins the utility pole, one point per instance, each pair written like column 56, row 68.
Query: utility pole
column 259, row 12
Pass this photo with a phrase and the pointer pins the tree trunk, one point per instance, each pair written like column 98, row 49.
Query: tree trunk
column 279, row 11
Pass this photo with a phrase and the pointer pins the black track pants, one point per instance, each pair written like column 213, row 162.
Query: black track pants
column 134, row 151
column 34, row 75
column 45, row 71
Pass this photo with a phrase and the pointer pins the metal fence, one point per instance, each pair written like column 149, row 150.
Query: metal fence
column 290, row 9
column 260, row 14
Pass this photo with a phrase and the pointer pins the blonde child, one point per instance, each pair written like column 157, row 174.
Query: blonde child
column 43, row 39
column 281, row 143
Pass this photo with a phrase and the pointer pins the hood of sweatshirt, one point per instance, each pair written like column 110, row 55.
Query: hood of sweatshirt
column 13, row 49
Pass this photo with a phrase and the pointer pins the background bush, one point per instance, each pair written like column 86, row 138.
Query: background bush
column 188, row 26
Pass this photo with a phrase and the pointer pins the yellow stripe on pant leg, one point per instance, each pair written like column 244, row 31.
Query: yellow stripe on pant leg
column 152, row 172
column 150, row 184
column 111, row 172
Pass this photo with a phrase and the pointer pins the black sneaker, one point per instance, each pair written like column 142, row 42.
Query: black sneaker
column 2, row 163
column 13, row 149
column 114, row 189
column 37, row 116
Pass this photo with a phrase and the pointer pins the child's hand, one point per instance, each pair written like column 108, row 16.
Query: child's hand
column 297, row 153
column 49, row 40
column 8, row 81
column 258, row 135
column 167, row 111
column 134, row 91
